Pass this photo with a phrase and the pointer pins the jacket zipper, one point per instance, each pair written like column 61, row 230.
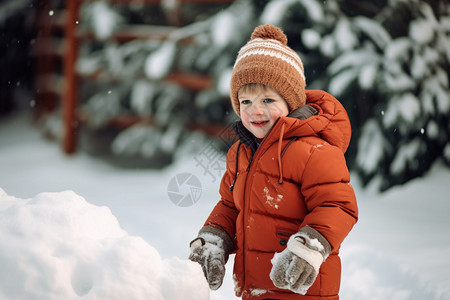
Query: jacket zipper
column 247, row 190
column 248, row 184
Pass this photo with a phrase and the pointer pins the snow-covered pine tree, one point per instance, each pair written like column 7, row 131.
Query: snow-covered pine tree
column 399, row 118
column 354, row 73
column 131, row 76
column 415, row 117
column 407, row 76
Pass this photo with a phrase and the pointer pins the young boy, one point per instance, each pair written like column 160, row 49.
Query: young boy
column 286, row 200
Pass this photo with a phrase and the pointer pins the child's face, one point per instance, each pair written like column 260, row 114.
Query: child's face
column 260, row 108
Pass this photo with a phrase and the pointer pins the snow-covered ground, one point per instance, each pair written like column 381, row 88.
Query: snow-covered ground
column 399, row 249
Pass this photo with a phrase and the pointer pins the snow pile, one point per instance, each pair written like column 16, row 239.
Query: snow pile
column 58, row 246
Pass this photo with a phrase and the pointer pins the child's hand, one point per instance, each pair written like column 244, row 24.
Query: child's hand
column 211, row 250
column 296, row 267
column 212, row 259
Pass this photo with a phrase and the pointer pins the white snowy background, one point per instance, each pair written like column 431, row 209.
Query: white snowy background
column 99, row 230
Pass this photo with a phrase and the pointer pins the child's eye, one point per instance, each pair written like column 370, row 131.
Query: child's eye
column 245, row 102
column 268, row 100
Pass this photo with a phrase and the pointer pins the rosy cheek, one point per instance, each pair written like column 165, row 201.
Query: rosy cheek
column 244, row 119
column 280, row 113
column 275, row 115
column 243, row 116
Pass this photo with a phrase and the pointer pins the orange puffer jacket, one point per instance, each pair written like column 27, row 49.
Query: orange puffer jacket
column 297, row 177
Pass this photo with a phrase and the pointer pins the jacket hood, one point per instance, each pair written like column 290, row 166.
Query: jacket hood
column 331, row 123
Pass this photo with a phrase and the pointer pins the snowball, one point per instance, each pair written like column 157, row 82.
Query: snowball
column 58, row 246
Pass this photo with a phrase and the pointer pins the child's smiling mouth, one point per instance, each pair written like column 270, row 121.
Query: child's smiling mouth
column 259, row 123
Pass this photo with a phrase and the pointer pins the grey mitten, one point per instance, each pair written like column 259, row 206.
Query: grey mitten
column 211, row 250
column 296, row 267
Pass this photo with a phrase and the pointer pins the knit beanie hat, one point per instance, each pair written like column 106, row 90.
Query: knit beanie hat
column 266, row 59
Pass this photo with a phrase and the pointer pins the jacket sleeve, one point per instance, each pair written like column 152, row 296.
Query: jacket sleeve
column 329, row 197
column 225, row 213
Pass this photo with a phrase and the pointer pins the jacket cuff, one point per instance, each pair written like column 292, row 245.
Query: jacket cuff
column 210, row 235
column 315, row 240
column 311, row 255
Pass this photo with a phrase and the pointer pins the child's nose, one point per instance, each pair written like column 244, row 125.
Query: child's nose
column 257, row 109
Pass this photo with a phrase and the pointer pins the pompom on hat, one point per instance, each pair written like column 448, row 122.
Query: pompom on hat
column 266, row 59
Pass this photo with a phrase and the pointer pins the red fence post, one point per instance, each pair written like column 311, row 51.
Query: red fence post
column 69, row 97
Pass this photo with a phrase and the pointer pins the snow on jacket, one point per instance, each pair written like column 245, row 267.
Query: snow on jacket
column 297, row 176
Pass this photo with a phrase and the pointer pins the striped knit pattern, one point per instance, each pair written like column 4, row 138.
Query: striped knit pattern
column 274, row 49
column 265, row 59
